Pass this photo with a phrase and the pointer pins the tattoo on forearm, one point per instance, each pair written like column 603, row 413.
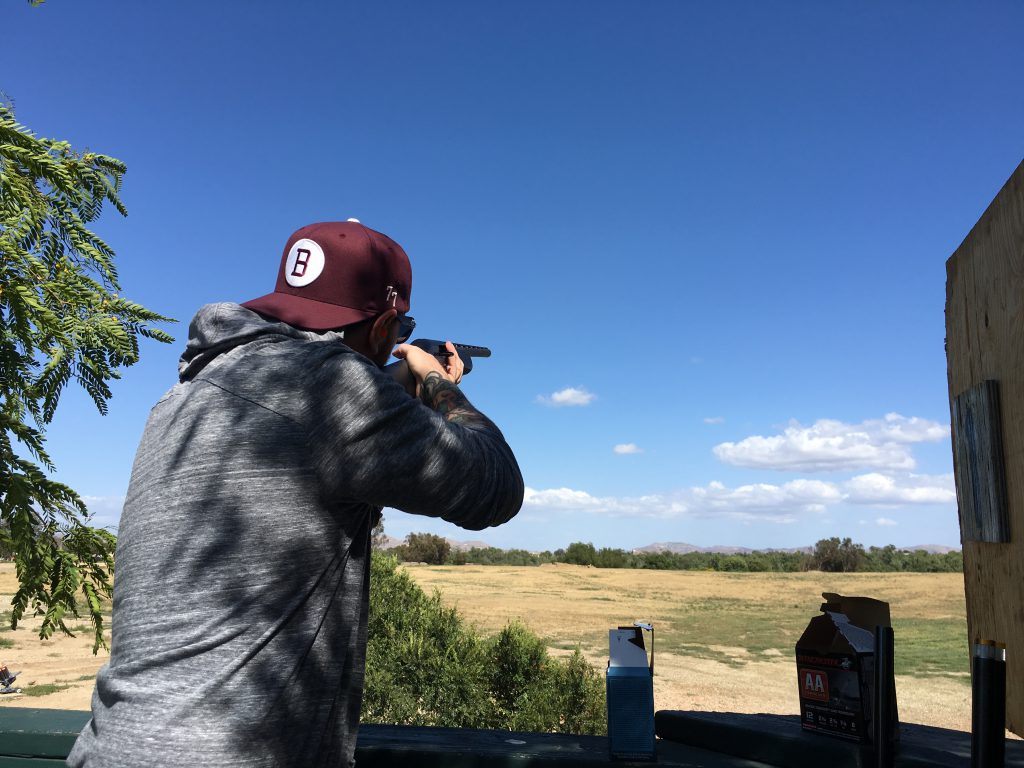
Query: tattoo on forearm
column 448, row 400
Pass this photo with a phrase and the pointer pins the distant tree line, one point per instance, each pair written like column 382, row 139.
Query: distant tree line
column 843, row 556
column 833, row 555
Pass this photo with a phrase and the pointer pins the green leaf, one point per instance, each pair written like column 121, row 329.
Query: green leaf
column 62, row 319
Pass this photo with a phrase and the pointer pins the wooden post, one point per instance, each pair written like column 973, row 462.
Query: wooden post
column 985, row 344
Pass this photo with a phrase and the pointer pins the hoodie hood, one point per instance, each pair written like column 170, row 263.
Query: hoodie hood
column 219, row 328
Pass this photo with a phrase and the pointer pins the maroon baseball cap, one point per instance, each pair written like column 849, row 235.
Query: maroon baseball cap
column 336, row 273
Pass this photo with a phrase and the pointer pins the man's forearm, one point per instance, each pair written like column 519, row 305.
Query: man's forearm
column 447, row 399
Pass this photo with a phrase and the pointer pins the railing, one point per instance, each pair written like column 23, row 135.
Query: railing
column 43, row 737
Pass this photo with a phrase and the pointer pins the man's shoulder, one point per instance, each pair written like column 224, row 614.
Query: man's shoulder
column 325, row 362
column 327, row 353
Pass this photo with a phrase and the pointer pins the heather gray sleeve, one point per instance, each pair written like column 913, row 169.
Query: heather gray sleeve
column 373, row 443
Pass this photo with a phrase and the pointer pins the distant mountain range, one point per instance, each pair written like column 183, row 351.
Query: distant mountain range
column 681, row 547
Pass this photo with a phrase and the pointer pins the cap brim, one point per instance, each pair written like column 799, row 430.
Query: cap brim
column 309, row 314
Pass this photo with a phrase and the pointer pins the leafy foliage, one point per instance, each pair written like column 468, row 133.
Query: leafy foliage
column 424, row 548
column 832, row 555
column 495, row 556
column 535, row 693
column 62, row 318
column 579, row 553
column 889, row 558
column 837, row 556
column 426, row 666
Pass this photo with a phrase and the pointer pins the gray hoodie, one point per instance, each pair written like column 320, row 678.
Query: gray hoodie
column 241, row 590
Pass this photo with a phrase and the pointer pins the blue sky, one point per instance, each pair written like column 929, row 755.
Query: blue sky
column 706, row 242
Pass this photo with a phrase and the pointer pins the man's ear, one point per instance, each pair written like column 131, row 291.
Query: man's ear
column 380, row 330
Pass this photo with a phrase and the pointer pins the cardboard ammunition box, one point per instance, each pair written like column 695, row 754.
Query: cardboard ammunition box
column 835, row 662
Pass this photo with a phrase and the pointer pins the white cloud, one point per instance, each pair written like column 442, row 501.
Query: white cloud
column 569, row 500
column 567, row 396
column 761, row 501
column 714, row 420
column 626, row 448
column 765, row 501
column 560, row 498
column 829, row 445
column 885, row 490
column 104, row 511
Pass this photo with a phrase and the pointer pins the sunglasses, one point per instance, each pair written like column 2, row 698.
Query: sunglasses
column 406, row 325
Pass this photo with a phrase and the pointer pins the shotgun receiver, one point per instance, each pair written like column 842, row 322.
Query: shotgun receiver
column 400, row 370
column 466, row 351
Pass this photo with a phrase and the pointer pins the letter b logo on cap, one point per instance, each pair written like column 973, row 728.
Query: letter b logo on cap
column 305, row 263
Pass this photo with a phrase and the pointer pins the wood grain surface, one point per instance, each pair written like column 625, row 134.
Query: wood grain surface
column 985, row 341
column 978, row 447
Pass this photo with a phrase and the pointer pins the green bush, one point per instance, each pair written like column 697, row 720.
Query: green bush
column 424, row 548
column 835, row 555
column 889, row 558
column 733, row 563
column 536, row 693
column 518, row 657
column 426, row 666
column 580, row 696
column 579, row 553
column 495, row 556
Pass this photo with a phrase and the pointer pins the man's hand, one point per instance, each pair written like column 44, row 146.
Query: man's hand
column 421, row 363
column 435, row 385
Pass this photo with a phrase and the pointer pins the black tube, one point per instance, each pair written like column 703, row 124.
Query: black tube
column 883, row 698
column 988, row 706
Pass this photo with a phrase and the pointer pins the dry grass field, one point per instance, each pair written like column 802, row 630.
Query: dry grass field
column 54, row 674
column 724, row 642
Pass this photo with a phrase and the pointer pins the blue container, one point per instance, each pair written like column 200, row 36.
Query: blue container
column 631, row 713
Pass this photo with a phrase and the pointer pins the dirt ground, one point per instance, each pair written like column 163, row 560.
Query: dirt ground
column 59, row 661
column 570, row 605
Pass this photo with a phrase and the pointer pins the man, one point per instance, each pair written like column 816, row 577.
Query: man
column 241, row 592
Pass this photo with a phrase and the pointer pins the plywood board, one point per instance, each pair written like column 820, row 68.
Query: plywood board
column 985, row 341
